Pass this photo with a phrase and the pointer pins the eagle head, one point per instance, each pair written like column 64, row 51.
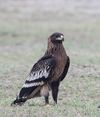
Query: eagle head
column 56, row 37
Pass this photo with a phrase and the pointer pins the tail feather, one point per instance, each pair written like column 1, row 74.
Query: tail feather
column 19, row 102
column 25, row 93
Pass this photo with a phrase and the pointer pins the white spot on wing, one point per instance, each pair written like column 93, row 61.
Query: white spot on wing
column 26, row 85
column 38, row 74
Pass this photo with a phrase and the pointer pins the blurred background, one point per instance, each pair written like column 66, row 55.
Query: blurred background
column 25, row 22
column 25, row 26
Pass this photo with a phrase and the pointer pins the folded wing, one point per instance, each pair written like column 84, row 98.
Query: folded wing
column 39, row 75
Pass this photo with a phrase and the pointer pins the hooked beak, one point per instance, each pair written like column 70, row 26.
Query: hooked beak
column 60, row 38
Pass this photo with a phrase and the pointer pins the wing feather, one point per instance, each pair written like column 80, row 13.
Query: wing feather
column 40, row 72
column 39, row 75
column 65, row 69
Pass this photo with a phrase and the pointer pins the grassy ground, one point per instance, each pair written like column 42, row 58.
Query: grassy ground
column 23, row 41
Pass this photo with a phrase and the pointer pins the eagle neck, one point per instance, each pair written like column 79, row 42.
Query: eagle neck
column 55, row 49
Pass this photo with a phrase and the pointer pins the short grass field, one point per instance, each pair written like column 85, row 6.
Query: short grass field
column 24, row 29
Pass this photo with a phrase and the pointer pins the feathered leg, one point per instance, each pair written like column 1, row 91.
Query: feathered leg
column 45, row 93
column 55, row 89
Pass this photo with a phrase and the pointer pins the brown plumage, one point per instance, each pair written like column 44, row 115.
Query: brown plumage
column 47, row 73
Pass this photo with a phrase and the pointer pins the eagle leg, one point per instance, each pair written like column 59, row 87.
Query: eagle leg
column 45, row 92
column 55, row 89
column 46, row 100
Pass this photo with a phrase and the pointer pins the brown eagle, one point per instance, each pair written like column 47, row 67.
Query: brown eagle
column 47, row 73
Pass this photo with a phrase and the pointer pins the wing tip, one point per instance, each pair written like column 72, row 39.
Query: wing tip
column 19, row 102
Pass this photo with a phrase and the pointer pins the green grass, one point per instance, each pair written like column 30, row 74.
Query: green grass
column 23, row 41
